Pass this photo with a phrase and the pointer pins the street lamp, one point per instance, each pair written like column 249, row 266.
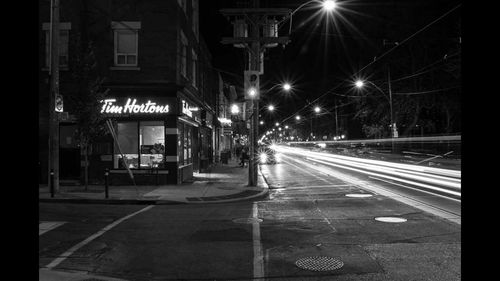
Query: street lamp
column 235, row 109
column 262, row 122
column 297, row 117
column 329, row 5
column 270, row 107
column 277, row 124
column 360, row 84
column 317, row 109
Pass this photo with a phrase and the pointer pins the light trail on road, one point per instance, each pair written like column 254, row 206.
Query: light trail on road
column 440, row 181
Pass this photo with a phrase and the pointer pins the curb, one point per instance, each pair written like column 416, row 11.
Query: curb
column 263, row 194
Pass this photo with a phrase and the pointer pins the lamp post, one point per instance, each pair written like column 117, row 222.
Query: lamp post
column 327, row 5
column 360, row 84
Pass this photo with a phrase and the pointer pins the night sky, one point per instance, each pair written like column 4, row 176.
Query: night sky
column 326, row 52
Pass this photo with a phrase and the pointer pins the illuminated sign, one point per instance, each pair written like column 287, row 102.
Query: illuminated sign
column 59, row 107
column 188, row 110
column 132, row 107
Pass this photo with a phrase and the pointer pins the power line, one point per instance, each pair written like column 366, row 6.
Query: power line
column 384, row 54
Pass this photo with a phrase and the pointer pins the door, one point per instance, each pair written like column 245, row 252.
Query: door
column 69, row 153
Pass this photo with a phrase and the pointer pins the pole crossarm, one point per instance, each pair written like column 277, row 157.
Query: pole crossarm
column 248, row 40
column 264, row 11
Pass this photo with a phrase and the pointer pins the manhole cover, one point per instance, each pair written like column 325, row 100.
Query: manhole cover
column 247, row 220
column 390, row 219
column 319, row 263
column 359, row 195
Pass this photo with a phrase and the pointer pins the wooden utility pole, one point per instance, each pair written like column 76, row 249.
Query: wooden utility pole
column 54, row 92
column 255, row 18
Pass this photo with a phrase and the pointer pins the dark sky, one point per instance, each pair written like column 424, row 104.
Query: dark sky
column 325, row 52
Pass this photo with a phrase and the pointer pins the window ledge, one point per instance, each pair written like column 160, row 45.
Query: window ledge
column 124, row 68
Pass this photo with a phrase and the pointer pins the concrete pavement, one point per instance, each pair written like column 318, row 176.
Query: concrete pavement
column 223, row 183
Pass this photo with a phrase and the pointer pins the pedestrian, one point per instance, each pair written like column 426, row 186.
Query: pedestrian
column 237, row 149
column 244, row 156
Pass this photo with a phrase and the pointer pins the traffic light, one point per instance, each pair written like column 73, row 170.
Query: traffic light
column 251, row 85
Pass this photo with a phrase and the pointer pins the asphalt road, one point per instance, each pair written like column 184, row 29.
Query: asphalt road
column 306, row 215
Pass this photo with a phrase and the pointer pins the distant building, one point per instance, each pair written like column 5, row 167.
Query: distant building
column 163, row 95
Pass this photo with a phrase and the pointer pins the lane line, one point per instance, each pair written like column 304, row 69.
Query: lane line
column 73, row 249
column 313, row 200
column 258, row 258
column 46, row 226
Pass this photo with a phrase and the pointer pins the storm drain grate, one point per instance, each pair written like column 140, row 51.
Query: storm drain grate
column 247, row 220
column 390, row 219
column 359, row 195
column 319, row 263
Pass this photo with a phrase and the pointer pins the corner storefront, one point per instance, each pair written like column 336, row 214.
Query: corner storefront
column 156, row 140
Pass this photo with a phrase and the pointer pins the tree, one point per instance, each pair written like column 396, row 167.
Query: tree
column 85, row 94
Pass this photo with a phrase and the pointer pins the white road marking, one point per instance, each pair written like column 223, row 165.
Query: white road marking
column 317, row 207
column 45, row 226
column 258, row 261
column 73, row 249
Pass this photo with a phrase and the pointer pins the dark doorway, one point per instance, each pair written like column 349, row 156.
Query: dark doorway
column 69, row 153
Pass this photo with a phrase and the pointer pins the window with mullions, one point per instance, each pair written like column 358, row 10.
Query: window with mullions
column 141, row 143
column 126, row 43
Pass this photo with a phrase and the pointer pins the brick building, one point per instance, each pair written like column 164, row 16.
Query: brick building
column 161, row 91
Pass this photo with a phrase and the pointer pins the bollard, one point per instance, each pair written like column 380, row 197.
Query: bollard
column 106, row 174
column 51, row 183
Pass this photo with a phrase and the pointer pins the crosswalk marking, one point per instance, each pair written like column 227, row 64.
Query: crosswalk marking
column 45, row 226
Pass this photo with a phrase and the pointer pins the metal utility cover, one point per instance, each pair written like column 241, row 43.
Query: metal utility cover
column 319, row 263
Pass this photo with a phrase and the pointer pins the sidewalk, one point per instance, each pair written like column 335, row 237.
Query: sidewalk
column 224, row 183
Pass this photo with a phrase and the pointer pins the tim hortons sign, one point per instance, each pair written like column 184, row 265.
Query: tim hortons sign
column 132, row 107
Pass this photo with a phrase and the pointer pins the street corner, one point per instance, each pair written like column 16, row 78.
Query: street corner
column 245, row 194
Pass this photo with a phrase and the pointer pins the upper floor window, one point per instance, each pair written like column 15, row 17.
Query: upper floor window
column 64, row 28
column 183, row 59
column 126, row 35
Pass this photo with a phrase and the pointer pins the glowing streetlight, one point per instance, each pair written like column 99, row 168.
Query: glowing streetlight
column 286, row 127
column 317, row 109
column 270, row 107
column 287, row 87
column 329, row 5
column 359, row 84
column 277, row 124
column 262, row 122
column 297, row 117
column 235, row 109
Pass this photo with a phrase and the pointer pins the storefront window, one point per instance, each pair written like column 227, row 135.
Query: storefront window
column 185, row 144
column 141, row 143
column 128, row 140
column 152, row 143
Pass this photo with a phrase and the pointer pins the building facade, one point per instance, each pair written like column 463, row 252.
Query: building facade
column 152, row 69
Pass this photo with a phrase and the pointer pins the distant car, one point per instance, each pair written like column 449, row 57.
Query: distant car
column 267, row 155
